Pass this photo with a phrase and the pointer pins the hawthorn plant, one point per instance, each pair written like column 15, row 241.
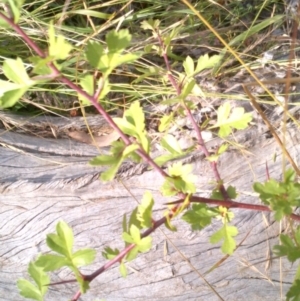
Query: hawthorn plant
column 134, row 144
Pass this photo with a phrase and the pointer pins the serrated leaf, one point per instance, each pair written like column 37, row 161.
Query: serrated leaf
column 110, row 173
column 170, row 143
column 118, row 60
column 135, row 234
column 117, row 41
column 238, row 119
column 145, row 244
column 83, row 257
column 10, row 98
column 187, row 89
column 150, row 24
column 59, row 48
column 28, row 290
column 132, row 254
column 294, row 292
column 93, row 53
column 51, row 262
column 39, row 276
column 206, row 62
column 110, row 253
column 161, row 160
column 103, row 160
column 226, row 233
column 123, row 270
column 165, row 122
column 15, row 71
column 66, row 235
column 199, row 216
column 189, row 66
column 127, row 238
column 135, row 116
column 133, row 220
column 144, row 212
column 88, row 85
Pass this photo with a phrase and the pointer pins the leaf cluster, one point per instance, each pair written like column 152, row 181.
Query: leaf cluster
column 282, row 197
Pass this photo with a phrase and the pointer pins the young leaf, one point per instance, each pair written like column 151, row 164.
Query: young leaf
column 144, row 212
column 238, row 119
column 206, row 62
column 165, row 122
column 132, row 253
column 294, row 292
column 199, row 216
column 110, row 253
column 117, row 41
column 15, row 71
column 62, row 242
column 93, row 53
column 187, row 89
column 150, row 24
column 59, row 48
column 181, row 180
column 135, row 234
column 287, row 248
column 170, row 143
column 188, row 66
column 83, row 257
column 29, row 290
column 226, row 233
column 88, row 85
column 50, row 262
column 8, row 98
column 123, row 269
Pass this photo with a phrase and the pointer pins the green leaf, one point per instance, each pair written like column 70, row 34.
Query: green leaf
column 28, row 290
column 165, row 122
column 150, row 24
column 15, row 71
column 238, row 119
column 199, row 216
column 280, row 196
column 135, row 234
column 59, row 48
column 117, row 41
column 62, row 242
column 119, row 151
column 127, row 238
column 132, row 254
column 83, row 257
column 50, row 262
column 110, row 253
column 133, row 220
column 10, row 98
column 66, row 235
column 123, row 270
column 145, row 244
column 206, row 62
column 188, row 66
column 144, row 212
column 294, row 292
column 39, row 276
column 170, row 143
column 287, row 248
column 94, row 51
column 40, row 65
column 226, row 233
column 181, row 180
column 187, row 89
column 88, row 85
